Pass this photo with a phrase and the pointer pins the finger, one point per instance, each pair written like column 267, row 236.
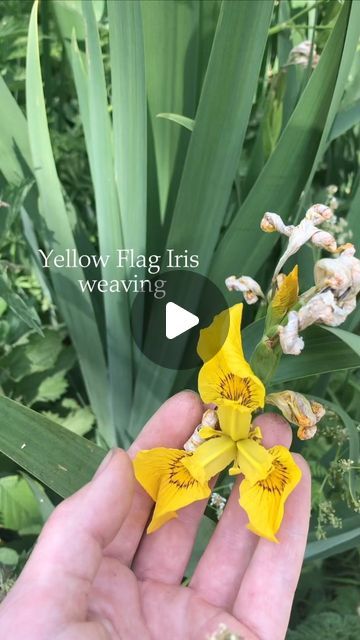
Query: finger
column 232, row 544
column 123, row 614
column 69, row 550
column 84, row 631
column 274, row 570
column 177, row 537
column 171, row 426
column 171, row 612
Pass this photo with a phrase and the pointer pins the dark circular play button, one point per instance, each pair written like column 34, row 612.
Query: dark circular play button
column 168, row 314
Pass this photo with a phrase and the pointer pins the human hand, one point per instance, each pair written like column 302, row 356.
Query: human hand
column 95, row 575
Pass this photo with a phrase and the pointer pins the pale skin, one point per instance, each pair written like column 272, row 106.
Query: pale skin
column 95, row 574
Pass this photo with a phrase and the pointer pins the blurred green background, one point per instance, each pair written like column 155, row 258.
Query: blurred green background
column 259, row 105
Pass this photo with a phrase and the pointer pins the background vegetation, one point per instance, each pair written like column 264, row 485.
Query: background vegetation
column 86, row 163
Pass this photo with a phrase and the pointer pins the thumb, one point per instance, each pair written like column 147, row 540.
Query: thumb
column 69, row 550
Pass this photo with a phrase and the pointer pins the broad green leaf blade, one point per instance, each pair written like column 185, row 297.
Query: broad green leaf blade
column 289, row 168
column 322, row 354
column 45, row 505
column 13, row 136
column 109, row 222
column 345, row 120
column 171, row 58
column 212, row 159
column 18, row 306
column 320, row 549
column 224, row 106
column 69, row 17
column 188, row 123
column 78, row 63
column 64, row 462
column 19, row 509
column 129, row 118
column 75, row 306
column 352, row 340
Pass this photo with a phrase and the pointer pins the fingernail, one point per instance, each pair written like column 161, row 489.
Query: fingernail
column 105, row 463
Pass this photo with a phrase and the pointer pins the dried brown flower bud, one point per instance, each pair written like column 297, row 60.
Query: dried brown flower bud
column 249, row 287
column 298, row 410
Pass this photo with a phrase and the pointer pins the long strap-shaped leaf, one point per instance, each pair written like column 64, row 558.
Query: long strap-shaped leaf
column 286, row 173
column 338, row 543
column 57, row 457
column 109, row 227
column 171, row 62
column 13, row 136
column 75, row 307
column 212, row 157
column 129, row 117
column 220, row 125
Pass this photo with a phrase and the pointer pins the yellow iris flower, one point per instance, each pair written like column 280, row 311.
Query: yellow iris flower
column 175, row 478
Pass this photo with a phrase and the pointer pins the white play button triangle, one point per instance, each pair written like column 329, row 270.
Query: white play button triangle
column 178, row 320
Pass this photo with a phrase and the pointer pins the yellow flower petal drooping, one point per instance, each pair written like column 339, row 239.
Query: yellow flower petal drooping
column 264, row 499
column 285, row 297
column 211, row 458
column 253, row 459
column 226, row 378
column 164, row 476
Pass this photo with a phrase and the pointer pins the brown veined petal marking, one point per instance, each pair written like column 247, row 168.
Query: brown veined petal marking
column 241, row 390
column 178, row 474
column 277, row 479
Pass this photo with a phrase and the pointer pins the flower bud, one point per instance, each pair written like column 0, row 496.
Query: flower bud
column 249, row 287
column 318, row 409
column 273, row 222
column 298, row 410
column 323, row 309
column 209, row 420
column 306, row 433
column 320, row 309
column 324, row 240
column 318, row 213
column 300, row 55
column 194, row 441
column 290, row 341
column 333, row 273
column 298, row 236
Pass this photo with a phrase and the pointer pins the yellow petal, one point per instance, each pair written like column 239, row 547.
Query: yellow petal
column 224, row 327
column 226, row 378
column 253, row 459
column 235, row 421
column 150, row 465
column 230, row 383
column 264, row 500
column 208, row 432
column 284, row 298
column 163, row 475
column 210, row 458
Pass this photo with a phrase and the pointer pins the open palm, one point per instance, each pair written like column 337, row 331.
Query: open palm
column 95, row 575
